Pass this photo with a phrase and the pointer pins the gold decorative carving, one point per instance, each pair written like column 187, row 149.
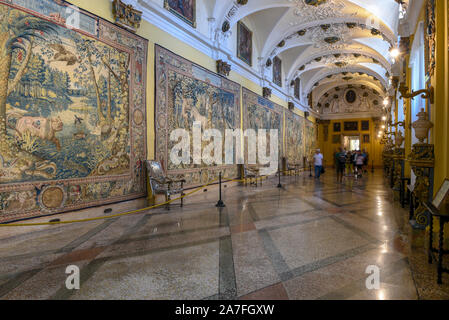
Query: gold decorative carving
column 422, row 160
column 223, row 68
column 266, row 92
column 425, row 93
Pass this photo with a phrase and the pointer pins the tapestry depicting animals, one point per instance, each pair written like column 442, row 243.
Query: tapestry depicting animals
column 311, row 139
column 187, row 93
column 262, row 114
column 72, row 110
column 294, row 138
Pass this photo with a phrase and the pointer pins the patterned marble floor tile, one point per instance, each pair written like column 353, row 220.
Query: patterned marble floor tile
column 253, row 268
column 180, row 274
column 310, row 242
column 48, row 240
column 42, row 285
column 274, row 292
column 163, row 242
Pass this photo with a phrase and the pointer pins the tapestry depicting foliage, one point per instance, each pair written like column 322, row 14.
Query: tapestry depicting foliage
column 187, row 93
column 262, row 114
column 294, row 138
column 72, row 110
column 311, row 139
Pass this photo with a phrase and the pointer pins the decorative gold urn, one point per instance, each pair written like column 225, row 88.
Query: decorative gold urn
column 422, row 126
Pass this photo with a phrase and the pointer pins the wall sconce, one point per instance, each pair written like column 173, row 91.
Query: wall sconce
column 425, row 93
column 400, row 124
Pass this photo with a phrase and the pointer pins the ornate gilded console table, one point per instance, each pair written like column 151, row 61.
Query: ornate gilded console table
column 443, row 215
column 388, row 164
column 397, row 170
column 422, row 161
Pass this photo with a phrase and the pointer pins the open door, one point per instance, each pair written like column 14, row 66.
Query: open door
column 351, row 143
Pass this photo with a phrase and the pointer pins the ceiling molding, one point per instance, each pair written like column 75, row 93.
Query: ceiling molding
column 321, row 75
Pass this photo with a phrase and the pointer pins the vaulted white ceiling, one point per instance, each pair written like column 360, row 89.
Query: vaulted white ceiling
column 319, row 38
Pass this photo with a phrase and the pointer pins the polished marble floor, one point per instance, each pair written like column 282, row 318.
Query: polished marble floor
column 308, row 240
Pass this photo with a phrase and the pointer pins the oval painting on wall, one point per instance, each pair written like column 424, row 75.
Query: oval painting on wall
column 351, row 96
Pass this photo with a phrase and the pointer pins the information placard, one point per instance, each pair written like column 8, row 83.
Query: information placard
column 441, row 195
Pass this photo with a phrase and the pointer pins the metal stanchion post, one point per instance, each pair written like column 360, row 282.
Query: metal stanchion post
column 279, row 172
column 310, row 169
column 372, row 167
column 220, row 203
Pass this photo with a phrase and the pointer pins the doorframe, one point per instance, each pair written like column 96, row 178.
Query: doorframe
column 343, row 135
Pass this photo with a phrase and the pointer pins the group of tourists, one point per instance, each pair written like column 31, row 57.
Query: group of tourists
column 351, row 163
column 348, row 163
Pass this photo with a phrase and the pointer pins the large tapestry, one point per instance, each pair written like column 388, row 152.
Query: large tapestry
column 262, row 114
column 294, row 138
column 187, row 93
column 72, row 110
column 311, row 139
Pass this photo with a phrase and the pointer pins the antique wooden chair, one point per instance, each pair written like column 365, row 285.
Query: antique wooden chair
column 161, row 184
column 252, row 174
column 291, row 168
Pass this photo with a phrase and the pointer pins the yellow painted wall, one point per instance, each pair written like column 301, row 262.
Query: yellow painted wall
column 374, row 148
column 439, row 111
column 103, row 8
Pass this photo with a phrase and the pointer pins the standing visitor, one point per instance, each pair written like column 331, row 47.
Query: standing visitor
column 355, row 153
column 340, row 160
column 366, row 160
column 359, row 161
column 318, row 160
column 348, row 163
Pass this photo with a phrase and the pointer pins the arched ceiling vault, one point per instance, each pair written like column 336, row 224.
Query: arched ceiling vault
column 323, row 73
column 316, row 39
column 324, row 88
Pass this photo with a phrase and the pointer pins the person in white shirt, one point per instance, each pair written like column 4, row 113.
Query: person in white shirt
column 318, row 160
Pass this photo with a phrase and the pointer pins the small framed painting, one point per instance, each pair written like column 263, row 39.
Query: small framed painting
column 184, row 9
column 366, row 138
column 297, row 88
column 442, row 194
column 244, row 43
column 277, row 71
column 365, row 125
column 352, row 126
column 336, row 139
column 337, row 127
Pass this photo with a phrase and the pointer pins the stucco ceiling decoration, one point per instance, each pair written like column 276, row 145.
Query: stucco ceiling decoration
column 307, row 13
column 335, row 36
column 337, row 80
column 325, row 87
column 352, row 69
column 338, row 60
column 335, row 101
column 344, row 59
column 349, row 55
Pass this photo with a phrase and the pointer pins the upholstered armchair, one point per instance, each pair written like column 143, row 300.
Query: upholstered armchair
column 161, row 184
